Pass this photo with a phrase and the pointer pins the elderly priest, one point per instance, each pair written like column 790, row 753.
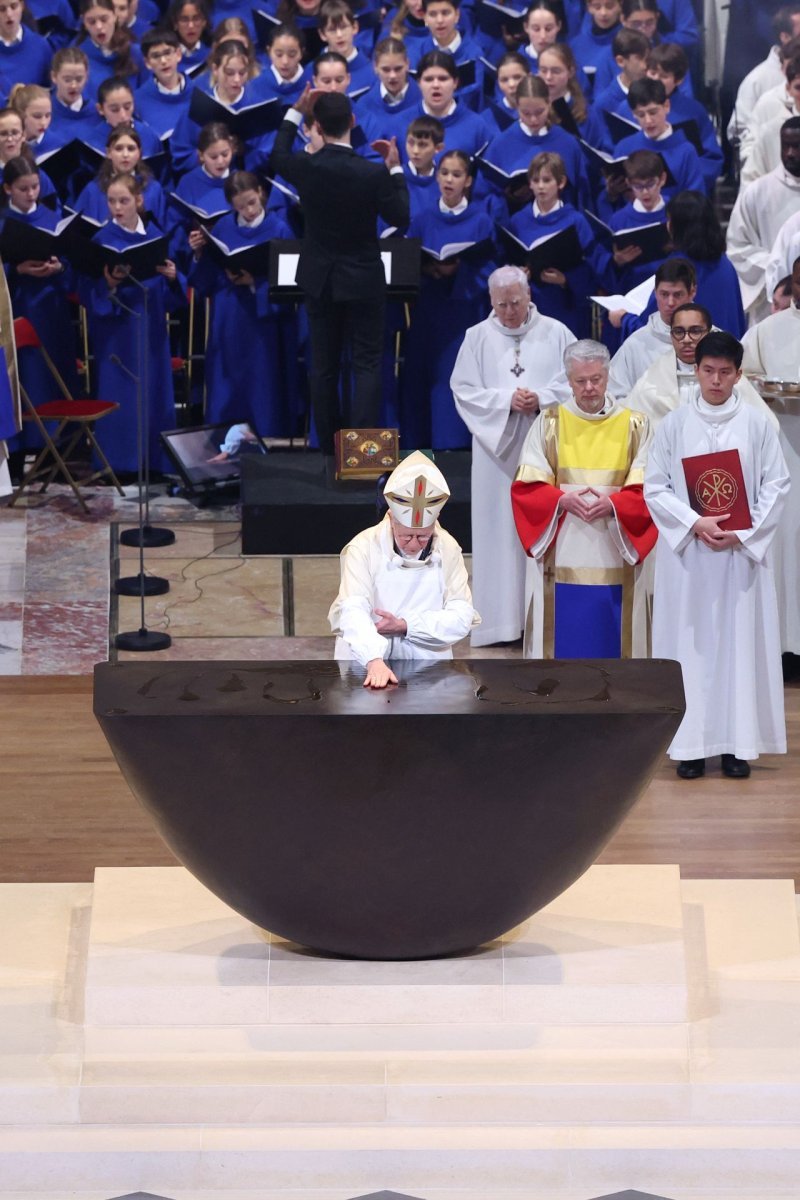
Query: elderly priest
column 505, row 372
column 582, row 519
column 404, row 591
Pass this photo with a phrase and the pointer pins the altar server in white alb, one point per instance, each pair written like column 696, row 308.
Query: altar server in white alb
column 715, row 608
column 508, row 367
column 772, row 348
column 404, row 591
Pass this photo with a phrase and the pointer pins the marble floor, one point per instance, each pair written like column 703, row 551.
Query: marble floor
column 59, row 613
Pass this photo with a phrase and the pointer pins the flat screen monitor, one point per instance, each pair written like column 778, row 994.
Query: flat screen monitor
column 209, row 456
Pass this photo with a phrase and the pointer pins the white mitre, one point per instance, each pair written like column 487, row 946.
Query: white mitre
column 416, row 492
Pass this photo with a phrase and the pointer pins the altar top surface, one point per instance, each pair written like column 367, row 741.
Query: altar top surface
column 325, row 688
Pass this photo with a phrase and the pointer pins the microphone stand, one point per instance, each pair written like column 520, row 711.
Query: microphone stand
column 142, row 639
column 145, row 534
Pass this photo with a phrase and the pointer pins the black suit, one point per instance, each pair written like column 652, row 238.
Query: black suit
column 340, row 270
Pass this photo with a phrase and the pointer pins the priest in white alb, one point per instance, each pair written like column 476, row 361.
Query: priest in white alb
column 582, row 520
column 757, row 218
column 715, row 609
column 772, row 348
column 508, row 368
column 404, row 591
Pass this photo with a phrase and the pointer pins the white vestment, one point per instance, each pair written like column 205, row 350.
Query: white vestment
column 483, row 382
column 785, row 249
column 766, row 75
column 773, row 349
column 757, row 218
column 773, row 105
column 636, row 354
column 765, row 154
column 715, row 610
column 431, row 595
column 664, row 387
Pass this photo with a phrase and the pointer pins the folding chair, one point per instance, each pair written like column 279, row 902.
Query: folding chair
column 76, row 420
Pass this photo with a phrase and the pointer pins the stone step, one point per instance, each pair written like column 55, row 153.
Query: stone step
column 666, row 1159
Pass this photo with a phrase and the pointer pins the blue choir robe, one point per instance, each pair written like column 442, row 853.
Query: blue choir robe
column 268, row 86
column 607, row 72
column 194, row 60
column 613, row 98
column 629, row 217
column 45, row 303
column 69, row 123
column 161, row 111
column 532, row 57
column 591, row 47
column 379, row 119
column 499, row 113
column 718, row 290
column 413, row 29
column 205, row 192
column 593, row 129
column 62, row 33
column 515, row 149
column 102, row 66
column 680, row 156
column 362, row 75
column 97, row 136
column 440, row 316
column 93, row 203
column 27, row 61
column 251, row 370
column 569, row 304
column 467, row 51
column 186, row 134
column 114, row 332
column 685, row 108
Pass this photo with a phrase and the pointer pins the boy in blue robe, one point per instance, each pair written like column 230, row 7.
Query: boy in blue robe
column 650, row 106
column 164, row 98
column 669, row 63
column 338, row 28
column 442, row 20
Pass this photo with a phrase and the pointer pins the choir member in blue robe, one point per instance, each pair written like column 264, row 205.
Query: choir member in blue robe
column 285, row 77
column 116, row 334
column 406, row 22
column 204, row 186
column 73, row 111
column 424, row 142
column 24, row 55
column 591, row 43
column 643, row 17
column 392, row 100
column 651, row 108
column 251, row 354
column 558, row 69
column 627, row 62
column 191, row 21
column 115, row 106
column 561, row 294
column 646, row 177
column 441, row 19
column 501, row 108
column 438, row 79
column 534, row 133
column 338, row 29
column 55, row 21
column 109, row 49
column 124, row 157
column 452, row 297
column 163, row 99
column 229, row 83
column 12, row 145
column 39, row 289
column 669, row 63
column 698, row 236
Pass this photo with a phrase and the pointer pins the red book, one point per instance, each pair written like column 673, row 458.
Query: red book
column 716, row 486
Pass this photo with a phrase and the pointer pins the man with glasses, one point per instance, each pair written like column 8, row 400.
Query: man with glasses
column 404, row 591
column 675, row 284
column 507, row 369
column 670, row 379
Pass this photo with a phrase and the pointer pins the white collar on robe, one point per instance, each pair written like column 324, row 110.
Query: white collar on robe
column 494, row 324
column 392, row 101
column 456, row 210
column 537, row 212
column 715, row 414
column 139, row 226
column 531, row 134
column 254, row 224
column 449, row 112
column 21, row 211
column 398, row 560
column 451, row 49
column 610, row 407
column 640, row 208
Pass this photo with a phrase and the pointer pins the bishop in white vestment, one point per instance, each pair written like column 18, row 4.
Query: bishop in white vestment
column 508, row 368
column 715, row 609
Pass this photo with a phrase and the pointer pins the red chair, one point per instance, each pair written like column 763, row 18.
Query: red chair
column 76, row 420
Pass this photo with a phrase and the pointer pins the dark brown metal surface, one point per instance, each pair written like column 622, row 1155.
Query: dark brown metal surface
column 410, row 823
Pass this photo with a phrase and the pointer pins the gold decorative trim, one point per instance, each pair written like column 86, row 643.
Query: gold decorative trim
column 590, row 576
column 626, row 630
column 591, row 476
column 527, row 474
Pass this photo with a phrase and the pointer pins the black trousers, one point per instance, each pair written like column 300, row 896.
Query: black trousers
column 338, row 327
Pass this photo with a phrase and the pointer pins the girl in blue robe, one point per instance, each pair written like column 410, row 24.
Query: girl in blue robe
column 251, row 354
column 394, row 96
column 452, row 297
column 191, row 21
column 534, row 133
column 24, row 55
column 561, row 294
column 115, row 333
column 115, row 105
column 463, row 129
column 591, row 42
column 124, row 157
column 558, row 69
column 109, row 49
column 501, row 108
column 39, row 291
column 230, row 83
column 12, row 145
column 204, row 186
column 69, row 72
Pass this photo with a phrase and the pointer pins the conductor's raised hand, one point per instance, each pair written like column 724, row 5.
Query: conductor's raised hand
column 387, row 148
column 306, row 101
column 379, row 675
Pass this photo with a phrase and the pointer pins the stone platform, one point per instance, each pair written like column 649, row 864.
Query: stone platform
column 640, row 1032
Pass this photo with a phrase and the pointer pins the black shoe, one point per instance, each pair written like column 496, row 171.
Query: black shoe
column 735, row 768
column 692, row 768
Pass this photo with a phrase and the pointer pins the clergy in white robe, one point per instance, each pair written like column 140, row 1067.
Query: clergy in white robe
column 582, row 520
column 675, row 284
column 508, row 367
column 765, row 155
column 785, row 249
column 715, row 607
column 757, row 218
column 772, row 348
column 765, row 75
column 404, row 591
column 775, row 105
column 670, row 381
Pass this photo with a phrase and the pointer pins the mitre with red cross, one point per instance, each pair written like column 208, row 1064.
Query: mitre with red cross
column 416, row 492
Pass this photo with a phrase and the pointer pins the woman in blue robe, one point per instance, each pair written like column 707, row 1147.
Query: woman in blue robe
column 560, row 293
column 117, row 334
column 251, row 354
column 452, row 297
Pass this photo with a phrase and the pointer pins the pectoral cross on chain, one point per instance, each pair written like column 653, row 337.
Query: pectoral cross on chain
column 517, row 368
